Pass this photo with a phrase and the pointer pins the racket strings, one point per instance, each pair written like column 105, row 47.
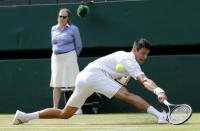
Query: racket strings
column 180, row 114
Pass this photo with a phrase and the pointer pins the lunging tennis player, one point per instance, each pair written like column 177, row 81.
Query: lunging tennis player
column 99, row 77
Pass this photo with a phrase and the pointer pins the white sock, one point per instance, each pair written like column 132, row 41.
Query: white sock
column 31, row 116
column 153, row 111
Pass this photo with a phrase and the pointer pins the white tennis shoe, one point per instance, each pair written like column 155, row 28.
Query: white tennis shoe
column 162, row 119
column 20, row 118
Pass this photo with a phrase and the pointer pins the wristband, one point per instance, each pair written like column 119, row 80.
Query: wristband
column 158, row 90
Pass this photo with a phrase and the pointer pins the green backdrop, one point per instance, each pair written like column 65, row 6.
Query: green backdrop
column 111, row 24
column 25, row 82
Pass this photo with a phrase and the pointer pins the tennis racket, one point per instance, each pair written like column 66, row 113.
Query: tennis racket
column 178, row 113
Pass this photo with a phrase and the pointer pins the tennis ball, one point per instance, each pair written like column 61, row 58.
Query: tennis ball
column 119, row 67
column 83, row 10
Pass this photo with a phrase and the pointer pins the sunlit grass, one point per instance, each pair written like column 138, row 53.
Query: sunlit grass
column 103, row 122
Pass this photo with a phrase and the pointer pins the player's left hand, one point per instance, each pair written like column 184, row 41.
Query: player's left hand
column 161, row 97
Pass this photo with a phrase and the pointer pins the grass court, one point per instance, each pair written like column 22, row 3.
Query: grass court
column 100, row 122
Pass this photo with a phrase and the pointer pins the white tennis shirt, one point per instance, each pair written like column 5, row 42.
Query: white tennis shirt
column 109, row 62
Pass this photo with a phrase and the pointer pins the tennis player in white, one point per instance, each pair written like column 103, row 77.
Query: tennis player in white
column 99, row 77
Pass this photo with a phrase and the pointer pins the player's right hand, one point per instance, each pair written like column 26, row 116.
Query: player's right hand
column 161, row 97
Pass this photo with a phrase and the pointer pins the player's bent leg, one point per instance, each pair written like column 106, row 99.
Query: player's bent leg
column 65, row 113
column 68, row 111
column 22, row 117
column 133, row 99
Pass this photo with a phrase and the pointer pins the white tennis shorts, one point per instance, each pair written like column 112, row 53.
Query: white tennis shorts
column 90, row 81
column 64, row 69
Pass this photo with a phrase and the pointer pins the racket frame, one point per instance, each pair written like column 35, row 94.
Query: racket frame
column 170, row 111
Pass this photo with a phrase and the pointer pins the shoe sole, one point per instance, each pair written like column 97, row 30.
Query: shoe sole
column 17, row 121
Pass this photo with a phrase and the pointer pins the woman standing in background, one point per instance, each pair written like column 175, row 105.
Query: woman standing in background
column 66, row 46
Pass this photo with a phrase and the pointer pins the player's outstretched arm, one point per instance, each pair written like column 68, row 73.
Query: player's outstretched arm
column 151, row 86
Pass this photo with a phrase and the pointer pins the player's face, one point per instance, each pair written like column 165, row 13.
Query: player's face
column 141, row 54
column 63, row 18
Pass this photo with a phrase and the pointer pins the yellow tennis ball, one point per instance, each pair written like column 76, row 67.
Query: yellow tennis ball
column 119, row 67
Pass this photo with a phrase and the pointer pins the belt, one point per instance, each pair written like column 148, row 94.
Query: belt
column 59, row 53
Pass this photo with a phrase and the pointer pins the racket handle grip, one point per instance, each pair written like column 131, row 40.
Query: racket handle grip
column 166, row 102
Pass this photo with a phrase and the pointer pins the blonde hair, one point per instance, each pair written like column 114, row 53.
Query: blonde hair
column 68, row 12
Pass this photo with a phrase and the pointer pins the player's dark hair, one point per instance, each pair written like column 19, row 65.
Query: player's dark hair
column 141, row 43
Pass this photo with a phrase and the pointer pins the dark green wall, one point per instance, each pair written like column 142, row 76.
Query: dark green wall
column 25, row 82
column 164, row 22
